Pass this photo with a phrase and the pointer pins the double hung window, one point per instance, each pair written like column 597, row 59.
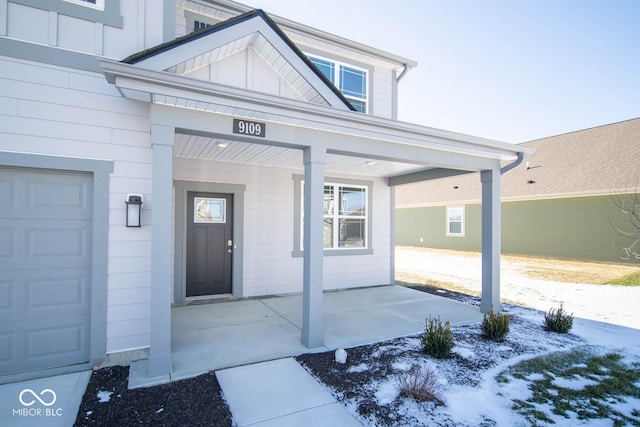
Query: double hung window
column 346, row 222
column 350, row 80
column 345, row 216
column 455, row 221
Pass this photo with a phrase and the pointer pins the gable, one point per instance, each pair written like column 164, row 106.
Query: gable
column 247, row 51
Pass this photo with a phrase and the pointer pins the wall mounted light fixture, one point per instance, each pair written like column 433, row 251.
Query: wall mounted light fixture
column 134, row 207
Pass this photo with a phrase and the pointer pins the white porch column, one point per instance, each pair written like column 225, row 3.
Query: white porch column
column 162, row 138
column 312, row 322
column 491, row 224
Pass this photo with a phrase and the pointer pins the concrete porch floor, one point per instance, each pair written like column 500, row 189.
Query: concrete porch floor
column 220, row 335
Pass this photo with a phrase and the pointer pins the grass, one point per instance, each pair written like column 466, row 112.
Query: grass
column 578, row 384
column 632, row 279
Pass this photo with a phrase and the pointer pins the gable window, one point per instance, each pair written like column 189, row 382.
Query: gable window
column 199, row 25
column 455, row 221
column 97, row 4
column 350, row 80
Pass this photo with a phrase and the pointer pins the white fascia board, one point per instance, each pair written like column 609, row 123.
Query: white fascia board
column 256, row 25
column 288, row 25
column 304, row 114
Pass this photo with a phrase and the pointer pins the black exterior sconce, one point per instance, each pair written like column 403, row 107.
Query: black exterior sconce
column 134, row 208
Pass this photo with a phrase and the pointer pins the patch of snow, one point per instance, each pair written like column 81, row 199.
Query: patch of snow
column 387, row 392
column 463, row 351
column 358, row 368
column 576, row 383
column 536, row 376
column 402, row 365
column 441, row 291
column 104, row 396
column 504, row 348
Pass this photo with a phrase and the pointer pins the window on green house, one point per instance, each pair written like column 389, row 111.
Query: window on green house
column 455, row 221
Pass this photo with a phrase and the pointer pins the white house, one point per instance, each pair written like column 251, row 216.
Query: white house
column 265, row 154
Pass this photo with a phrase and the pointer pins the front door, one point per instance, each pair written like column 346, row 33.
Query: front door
column 209, row 243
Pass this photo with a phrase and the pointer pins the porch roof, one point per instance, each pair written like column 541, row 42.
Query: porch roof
column 396, row 147
column 359, row 144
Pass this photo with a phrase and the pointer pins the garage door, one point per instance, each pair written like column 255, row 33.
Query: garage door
column 45, row 269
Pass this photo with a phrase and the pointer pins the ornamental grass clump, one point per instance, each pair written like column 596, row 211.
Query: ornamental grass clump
column 495, row 326
column 420, row 384
column 437, row 338
column 558, row 320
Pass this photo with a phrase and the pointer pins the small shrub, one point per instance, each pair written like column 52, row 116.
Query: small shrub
column 558, row 320
column 437, row 339
column 495, row 326
column 420, row 384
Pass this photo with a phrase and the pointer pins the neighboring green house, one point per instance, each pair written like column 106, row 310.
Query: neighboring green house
column 559, row 203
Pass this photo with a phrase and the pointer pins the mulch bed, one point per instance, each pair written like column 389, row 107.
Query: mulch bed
column 199, row 401
column 193, row 402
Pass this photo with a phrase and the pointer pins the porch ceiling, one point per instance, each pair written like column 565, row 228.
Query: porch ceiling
column 224, row 150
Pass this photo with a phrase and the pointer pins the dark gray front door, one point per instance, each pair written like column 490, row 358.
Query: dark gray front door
column 209, row 243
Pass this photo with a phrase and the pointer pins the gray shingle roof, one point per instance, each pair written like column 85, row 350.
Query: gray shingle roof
column 592, row 161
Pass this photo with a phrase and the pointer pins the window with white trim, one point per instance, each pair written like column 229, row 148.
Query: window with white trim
column 351, row 81
column 346, row 216
column 455, row 221
column 96, row 4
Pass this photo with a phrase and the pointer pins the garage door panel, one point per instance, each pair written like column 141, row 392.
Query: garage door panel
column 7, row 348
column 44, row 244
column 56, row 195
column 7, row 295
column 7, row 244
column 38, row 294
column 46, row 228
column 65, row 245
column 62, row 342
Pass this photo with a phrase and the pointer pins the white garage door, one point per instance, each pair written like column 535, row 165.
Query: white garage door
column 45, row 269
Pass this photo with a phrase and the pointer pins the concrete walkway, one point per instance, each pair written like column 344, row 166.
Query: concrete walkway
column 280, row 393
column 56, row 405
column 249, row 343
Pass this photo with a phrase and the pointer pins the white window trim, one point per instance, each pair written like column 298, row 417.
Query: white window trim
column 337, row 217
column 337, row 65
column 99, row 4
column 298, row 228
column 448, row 221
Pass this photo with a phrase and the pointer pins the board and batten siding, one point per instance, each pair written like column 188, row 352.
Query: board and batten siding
column 269, row 266
column 571, row 228
column 128, row 28
column 64, row 112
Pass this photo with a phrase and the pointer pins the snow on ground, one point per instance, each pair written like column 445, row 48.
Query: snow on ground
column 478, row 384
column 472, row 394
column 617, row 304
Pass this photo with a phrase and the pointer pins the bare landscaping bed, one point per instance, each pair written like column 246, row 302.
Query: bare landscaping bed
column 481, row 384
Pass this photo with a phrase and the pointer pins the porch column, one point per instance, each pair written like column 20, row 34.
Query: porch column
column 162, row 138
column 490, row 240
column 312, row 322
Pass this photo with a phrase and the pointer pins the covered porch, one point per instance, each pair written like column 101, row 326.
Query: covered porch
column 223, row 334
column 208, row 136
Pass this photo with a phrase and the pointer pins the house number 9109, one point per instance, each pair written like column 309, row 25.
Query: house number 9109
column 245, row 127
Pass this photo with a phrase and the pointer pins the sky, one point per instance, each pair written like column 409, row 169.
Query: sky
column 508, row 70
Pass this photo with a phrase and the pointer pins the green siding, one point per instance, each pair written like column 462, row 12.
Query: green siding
column 573, row 228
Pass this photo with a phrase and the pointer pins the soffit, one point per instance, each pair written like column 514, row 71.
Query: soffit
column 223, row 150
